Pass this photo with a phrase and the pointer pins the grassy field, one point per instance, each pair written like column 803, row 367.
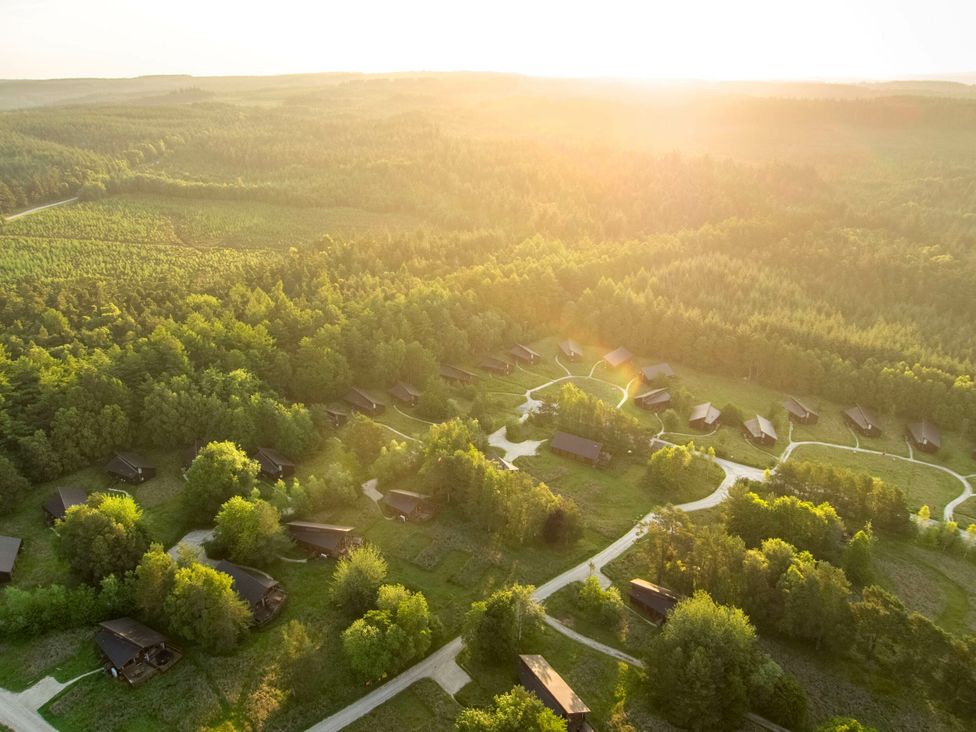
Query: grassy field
column 424, row 705
column 965, row 512
column 631, row 636
column 922, row 485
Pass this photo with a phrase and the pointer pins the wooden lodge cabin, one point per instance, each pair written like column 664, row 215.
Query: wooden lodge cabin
column 654, row 400
column 579, row 448
column 924, row 436
column 571, row 350
column 336, row 415
column 274, row 465
column 362, row 401
column 190, row 452
column 863, row 420
column 537, row 676
column 9, row 549
column 524, row 354
column 130, row 467
column 323, row 540
column 58, row 504
column 134, row 652
column 800, row 412
column 496, row 366
column 652, row 600
column 760, row 430
column 618, row 357
column 262, row 593
column 454, row 375
column 405, row 393
column 656, row 371
column 408, row 506
column 704, row 417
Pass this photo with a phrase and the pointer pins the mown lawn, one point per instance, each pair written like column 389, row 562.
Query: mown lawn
column 631, row 635
column 600, row 390
column 423, row 706
column 922, row 485
column 965, row 513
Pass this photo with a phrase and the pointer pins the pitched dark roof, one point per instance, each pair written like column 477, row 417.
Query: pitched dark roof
column 576, row 445
column 705, row 412
column 797, row 408
column 653, row 596
column 863, row 417
column 63, row 499
column 404, row 501
column 925, row 433
column 453, row 372
column 336, row 410
column 136, row 460
column 251, row 587
column 494, row 364
column 122, row 639
column 618, row 356
column 268, row 456
column 525, row 352
column 361, row 399
column 654, row 396
column 558, row 689
column 659, row 369
column 9, row 548
column 760, row 427
column 571, row 348
column 325, row 536
column 404, row 391
column 128, row 463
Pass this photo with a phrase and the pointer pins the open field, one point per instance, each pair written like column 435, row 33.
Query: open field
column 424, row 706
column 631, row 636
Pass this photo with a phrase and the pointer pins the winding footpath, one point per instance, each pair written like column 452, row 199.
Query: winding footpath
column 36, row 209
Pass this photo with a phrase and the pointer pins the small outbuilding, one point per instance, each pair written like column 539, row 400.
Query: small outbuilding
column 130, row 467
column 274, row 465
column 362, row 401
column 800, row 412
column 652, row 600
column 325, row 540
column 537, row 676
column 618, row 357
column 133, row 651
column 656, row 371
column 579, row 448
column 9, row 549
column 571, row 350
column 524, row 354
column 408, row 505
column 496, row 365
column 654, row 400
column 58, row 504
column 863, row 420
column 405, row 393
column 925, row 436
column 704, row 417
column 760, row 430
column 455, row 375
column 261, row 592
column 336, row 415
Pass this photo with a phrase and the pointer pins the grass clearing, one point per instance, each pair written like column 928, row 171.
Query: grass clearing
column 631, row 636
column 424, row 705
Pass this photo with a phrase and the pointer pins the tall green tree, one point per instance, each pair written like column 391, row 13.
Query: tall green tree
column 219, row 472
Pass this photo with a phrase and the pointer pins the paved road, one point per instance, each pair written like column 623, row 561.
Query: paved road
column 28, row 212
column 19, row 711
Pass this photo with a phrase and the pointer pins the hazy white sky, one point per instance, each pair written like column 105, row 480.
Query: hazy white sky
column 717, row 39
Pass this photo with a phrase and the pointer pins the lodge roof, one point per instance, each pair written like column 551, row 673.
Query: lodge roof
column 659, row 369
column 361, row 399
column 863, row 417
column 251, row 587
column 9, row 549
column 797, row 408
column 404, row 391
column 705, row 413
column 525, row 352
column 458, row 374
column 270, row 456
column 561, row 693
column 925, row 433
column 570, row 347
column 618, row 356
column 652, row 596
column 325, row 536
column 759, row 427
column 122, row 639
column 654, row 396
column 63, row 499
column 576, row 445
column 405, row 502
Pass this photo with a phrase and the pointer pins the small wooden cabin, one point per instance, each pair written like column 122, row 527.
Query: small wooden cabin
column 9, row 549
column 274, row 465
column 408, row 505
column 800, row 412
column 496, row 366
column 362, row 401
column 405, row 393
column 455, row 375
column 262, row 593
column 579, row 448
column 652, row 600
column 57, row 505
column 925, row 436
column 134, row 652
column 704, row 417
column 863, row 420
column 654, row 400
column 618, row 357
column 524, row 354
column 323, row 540
column 656, row 371
column 537, row 676
column 130, row 467
column 571, row 350
column 336, row 415
column 760, row 430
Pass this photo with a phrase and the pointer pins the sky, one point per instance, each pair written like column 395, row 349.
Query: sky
column 653, row 39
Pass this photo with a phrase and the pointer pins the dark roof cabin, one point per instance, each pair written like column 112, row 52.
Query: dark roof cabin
column 323, row 539
column 704, row 417
column 130, row 467
column 496, row 365
column 800, row 412
column 537, row 676
column 925, row 436
column 652, row 600
column 133, row 651
column 618, row 357
column 571, row 350
column 649, row 373
column 64, row 498
column 190, row 452
column 863, row 420
column 760, row 430
column 9, row 549
column 578, row 448
column 405, row 393
column 524, row 354
column 407, row 505
column 262, row 593
column 337, row 415
column 362, row 401
column 654, row 400
column 455, row 375
column 274, row 465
